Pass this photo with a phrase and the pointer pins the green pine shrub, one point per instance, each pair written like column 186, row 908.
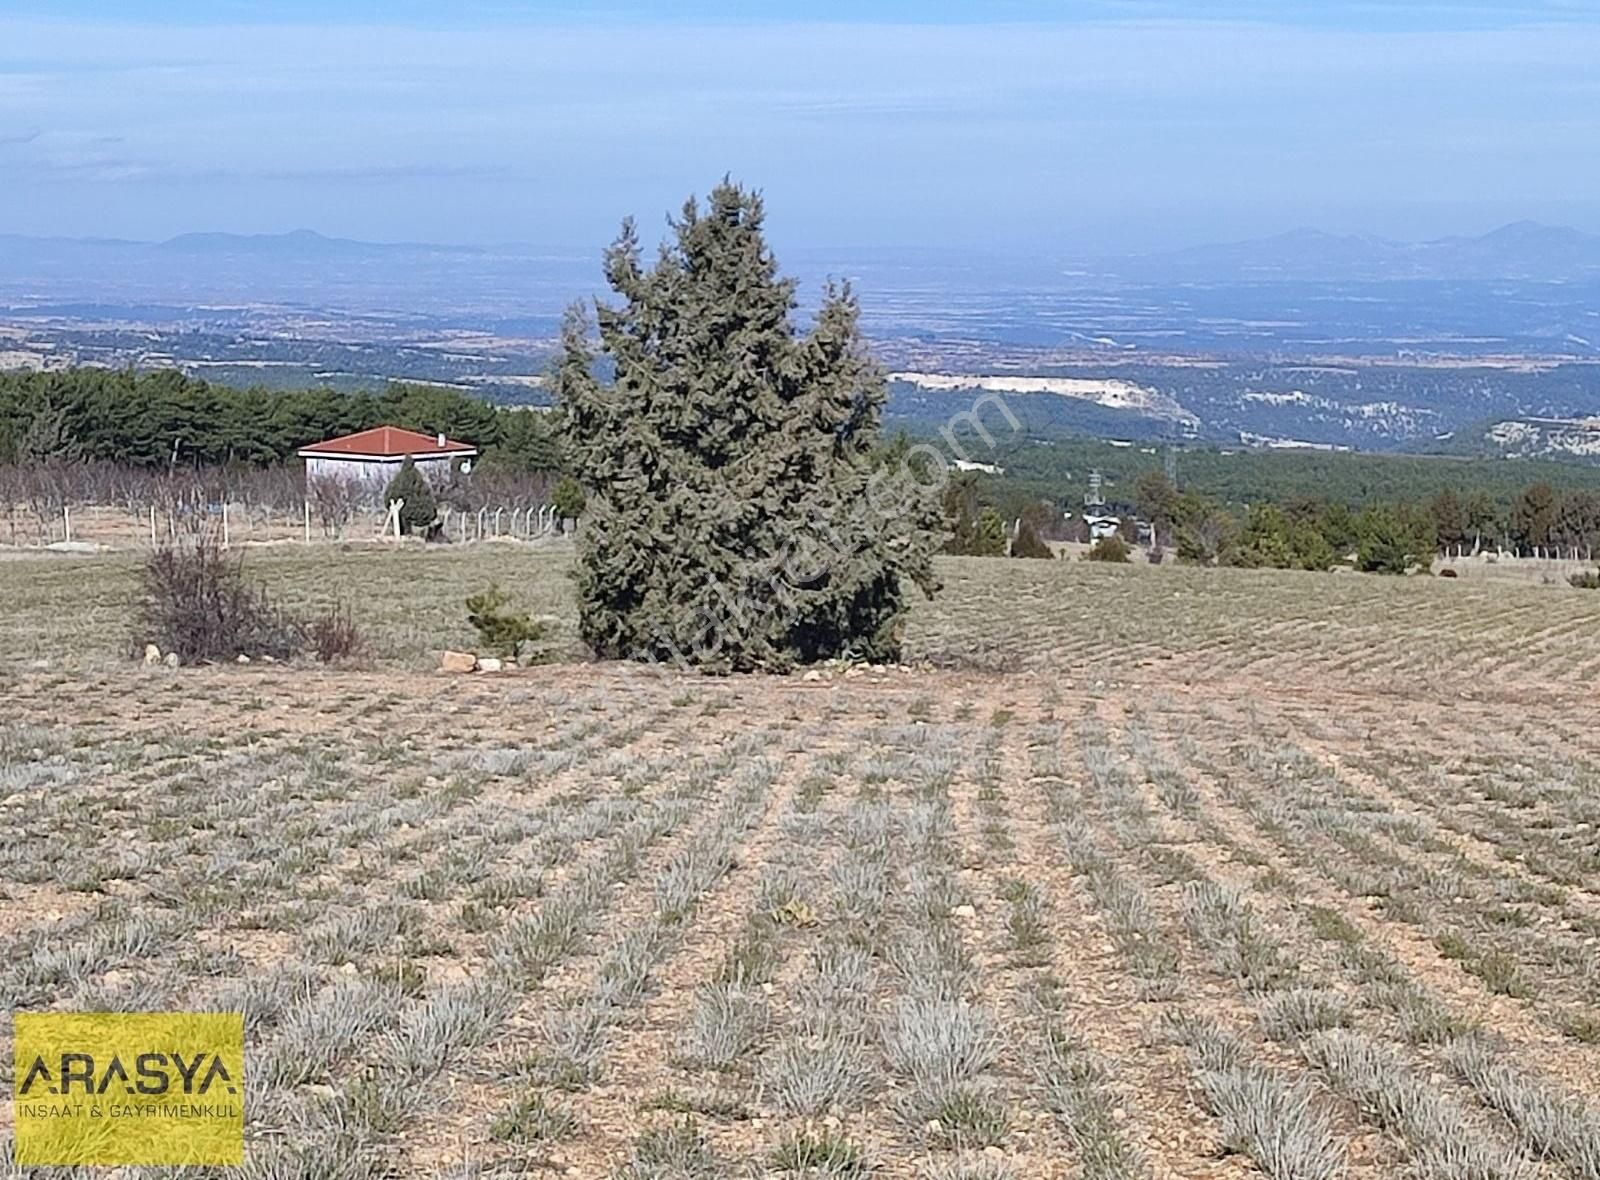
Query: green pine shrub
column 1394, row 540
column 499, row 628
column 1028, row 543
column 567, row 498
column 1112, row 549
column 419, row 511
column 972, row 530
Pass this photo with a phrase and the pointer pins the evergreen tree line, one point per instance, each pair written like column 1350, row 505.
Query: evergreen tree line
column 1052, row 465
column 1314, row 534
column 1299, row 533
column 164, row 420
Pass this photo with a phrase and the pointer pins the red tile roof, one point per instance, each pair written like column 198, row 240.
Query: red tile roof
column 388, row 442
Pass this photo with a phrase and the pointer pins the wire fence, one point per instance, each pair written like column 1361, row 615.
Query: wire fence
column 92, row 505
column 142, row 527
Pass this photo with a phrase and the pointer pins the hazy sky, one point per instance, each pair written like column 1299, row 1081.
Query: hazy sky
column 1117, row 124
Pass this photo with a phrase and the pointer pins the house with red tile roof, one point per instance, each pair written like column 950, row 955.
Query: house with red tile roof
column 374, row 457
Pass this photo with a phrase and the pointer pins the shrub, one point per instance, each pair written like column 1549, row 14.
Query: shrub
column 1586, row 580
column 1203, row 532
column 972, row 530
column 334, row 634
column 336, row 499
column 1275, row 539
column 419, row 510
column 567, row 499
column 1112, row 548
column 1029, row 544
column 198, row 605
column 498, row 628
column 1393, row 540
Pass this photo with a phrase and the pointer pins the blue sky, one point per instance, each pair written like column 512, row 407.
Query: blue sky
column 1008, row 125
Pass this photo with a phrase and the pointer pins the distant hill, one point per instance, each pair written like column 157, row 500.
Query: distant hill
column 1522, row 290
column 1521, row 250
column 298, row 244
column 1568, row 440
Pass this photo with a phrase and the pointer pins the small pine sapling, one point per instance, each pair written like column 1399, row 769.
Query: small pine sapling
column 498, row 627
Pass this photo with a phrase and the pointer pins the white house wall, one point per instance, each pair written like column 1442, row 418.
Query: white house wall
column 373, row 475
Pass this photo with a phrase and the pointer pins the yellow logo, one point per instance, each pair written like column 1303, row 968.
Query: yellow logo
column 129, row 1087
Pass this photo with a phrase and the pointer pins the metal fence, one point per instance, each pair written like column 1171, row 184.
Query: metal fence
column 101, row 526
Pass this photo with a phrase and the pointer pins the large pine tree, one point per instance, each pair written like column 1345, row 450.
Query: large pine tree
column 741, row 513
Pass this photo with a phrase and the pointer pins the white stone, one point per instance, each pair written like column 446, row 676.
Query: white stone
column 152, row 654
column 489, row 664
column 172, row 660
column 964, row 911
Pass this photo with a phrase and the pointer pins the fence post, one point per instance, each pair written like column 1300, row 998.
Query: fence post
column 225, row 524
column 66, row 522
column 152, row 526
column 307, row 532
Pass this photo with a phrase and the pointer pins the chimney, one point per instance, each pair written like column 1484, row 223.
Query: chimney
column 441, row 442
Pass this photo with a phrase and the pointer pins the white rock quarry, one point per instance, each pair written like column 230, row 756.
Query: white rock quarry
column 1109, row 392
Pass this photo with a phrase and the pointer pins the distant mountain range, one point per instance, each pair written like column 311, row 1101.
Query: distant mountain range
column 300, row 243
column 1523, row 290
column 1521, row 250
column 301, row 268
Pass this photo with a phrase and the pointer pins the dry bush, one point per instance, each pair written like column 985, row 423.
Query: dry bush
column 334, row 634
column 336, row 500
column 198, row 604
